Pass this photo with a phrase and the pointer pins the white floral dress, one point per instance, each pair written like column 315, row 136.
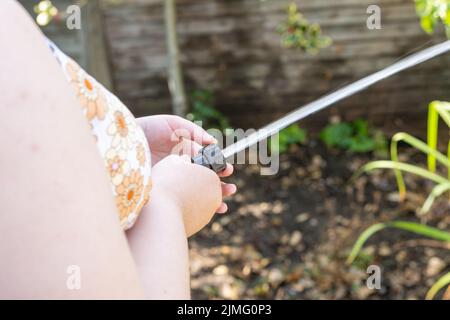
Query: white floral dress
column 119, row 138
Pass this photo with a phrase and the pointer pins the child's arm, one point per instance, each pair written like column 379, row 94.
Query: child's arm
column 159, row 246
column 183, row 200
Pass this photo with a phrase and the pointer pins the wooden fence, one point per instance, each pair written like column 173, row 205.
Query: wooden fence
column 232, row 48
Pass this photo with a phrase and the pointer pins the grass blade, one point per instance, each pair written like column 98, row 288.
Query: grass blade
column 362, row 240
column 385, row 164
column 414, row 227
column 437, row 286
column 436, row 109
column 432, row 133
column 435, row 193
column 421, row 229
column 418, row 144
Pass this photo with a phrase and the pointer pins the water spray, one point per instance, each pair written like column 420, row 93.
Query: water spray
column 214, row 158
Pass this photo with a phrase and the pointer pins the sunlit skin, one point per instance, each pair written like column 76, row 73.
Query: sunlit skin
column 58, row 209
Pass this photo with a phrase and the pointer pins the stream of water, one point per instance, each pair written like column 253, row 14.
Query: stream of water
column 336, row 96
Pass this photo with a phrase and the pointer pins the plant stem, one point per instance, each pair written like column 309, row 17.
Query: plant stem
column 418, row 144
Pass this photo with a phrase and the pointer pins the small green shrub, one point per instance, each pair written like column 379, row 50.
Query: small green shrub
column 353, row 136
column 436, row 109
column 297, row 33
column 290, row 136
column 202, row 102
column 432, row 12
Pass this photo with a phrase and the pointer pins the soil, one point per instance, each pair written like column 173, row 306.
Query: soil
column 287, row 236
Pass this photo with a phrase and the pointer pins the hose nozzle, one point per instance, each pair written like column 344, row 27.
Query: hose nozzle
column 211, row 157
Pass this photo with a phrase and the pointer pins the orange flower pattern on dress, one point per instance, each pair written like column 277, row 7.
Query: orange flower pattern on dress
column 88, row 92
column 121, row 128
column 117, row 165
column 119, row 138
column 140, row 154
column 129, row 193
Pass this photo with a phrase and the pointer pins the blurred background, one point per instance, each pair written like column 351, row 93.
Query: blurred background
column 244, row 63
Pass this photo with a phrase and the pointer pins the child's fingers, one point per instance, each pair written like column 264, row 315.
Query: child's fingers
column 223, row 208
column 228, row 189
column 227, row 172
column 196, row 133
column 189, row 147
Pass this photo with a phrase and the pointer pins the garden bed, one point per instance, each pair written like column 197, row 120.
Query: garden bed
column 287, row 236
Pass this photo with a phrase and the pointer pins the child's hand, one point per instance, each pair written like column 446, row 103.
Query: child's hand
column 195, row 190
column 165, row 133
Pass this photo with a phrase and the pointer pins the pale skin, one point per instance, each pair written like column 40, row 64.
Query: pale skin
column 56, row 206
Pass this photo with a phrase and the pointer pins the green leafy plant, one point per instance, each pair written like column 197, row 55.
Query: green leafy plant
column 413, row 227
column 353, row 136
column 432, row 12
column 436, row 109
column 290, row 136
column 203, row 110
column 298, row 33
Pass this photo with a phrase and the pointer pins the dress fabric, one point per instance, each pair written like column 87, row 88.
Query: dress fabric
column 120, row 140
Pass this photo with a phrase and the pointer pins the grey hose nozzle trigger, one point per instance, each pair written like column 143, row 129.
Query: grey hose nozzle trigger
column 211, row 157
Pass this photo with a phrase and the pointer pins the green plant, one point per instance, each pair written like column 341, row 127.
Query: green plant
column 353, row 136
column 203, row 110
column 436, row 109
column 432, row 12
column 297, row 33
column 290, row 136
column 438, row 285
column 416, row 228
